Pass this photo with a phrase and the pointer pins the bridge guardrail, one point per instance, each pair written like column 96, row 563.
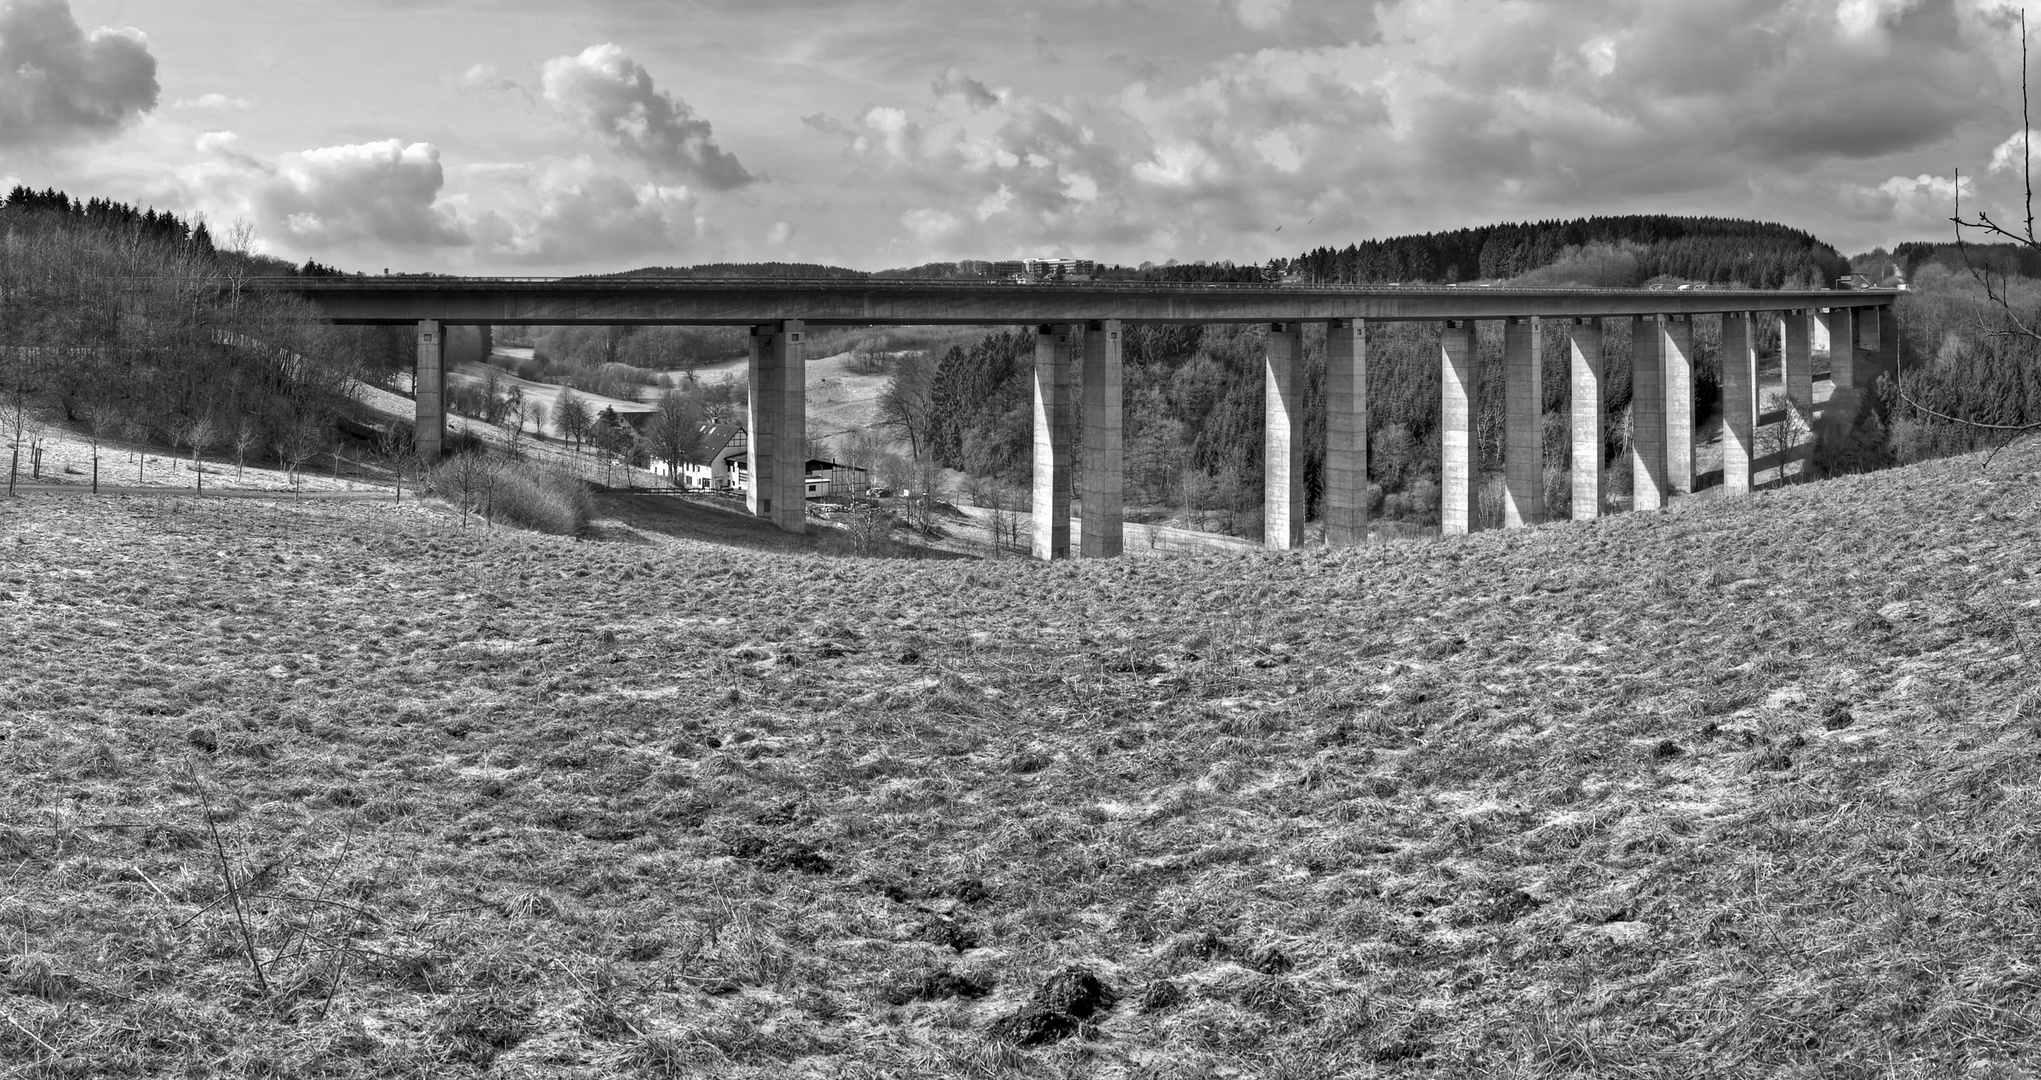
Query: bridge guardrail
column 943, row 284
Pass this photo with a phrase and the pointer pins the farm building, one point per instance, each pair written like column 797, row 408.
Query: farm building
column 825, row 477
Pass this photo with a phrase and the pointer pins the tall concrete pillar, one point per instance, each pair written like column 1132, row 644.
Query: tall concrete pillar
column 1523, row 450
column 1872, row 329
column 1054, row 346
column 1739, row 400
column 1796, row 363
column 428, row 392
column 1679, row 403
column 1283, row 438
column 1647, row 414
column 1888, row 342
column 1585, row 419
column 1842, row 349
column 1103, row 479
column 761, row 420
column 1796, row 372
column 1459, row 456
column 778, row 416
column 1346, row 433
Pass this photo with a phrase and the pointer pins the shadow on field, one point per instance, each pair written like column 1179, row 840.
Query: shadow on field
column 624, row 517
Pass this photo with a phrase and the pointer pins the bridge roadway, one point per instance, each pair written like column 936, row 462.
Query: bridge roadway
column 912, row 302
column 1077, row 374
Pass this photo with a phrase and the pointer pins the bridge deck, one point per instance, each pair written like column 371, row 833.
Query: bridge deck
column 713, row 302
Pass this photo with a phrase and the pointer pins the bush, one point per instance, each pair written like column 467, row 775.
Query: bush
column 1488, row 501
column 538, row 497
column 1423, row 501
column 1849, row 438
column 513, row 491
column 1558, row 493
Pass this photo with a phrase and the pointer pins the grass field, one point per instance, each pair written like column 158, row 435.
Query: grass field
column 1743, row 789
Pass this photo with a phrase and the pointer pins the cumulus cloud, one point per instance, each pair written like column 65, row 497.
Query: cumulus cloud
column 607, row 92
column 953, row 81
column 485, row 78
column 1905, row 200
column 2011, row 155
column 60, row 85
column 578, row 213
column 1260, row 14
column 385, row 192
column 210, row 101
column 1444, row 111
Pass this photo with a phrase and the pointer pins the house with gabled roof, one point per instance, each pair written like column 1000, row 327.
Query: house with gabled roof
column 708, row 466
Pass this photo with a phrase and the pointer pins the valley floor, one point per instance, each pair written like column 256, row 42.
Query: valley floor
column 1747, row 788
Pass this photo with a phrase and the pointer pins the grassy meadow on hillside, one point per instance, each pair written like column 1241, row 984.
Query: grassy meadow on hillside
column 1742, row 789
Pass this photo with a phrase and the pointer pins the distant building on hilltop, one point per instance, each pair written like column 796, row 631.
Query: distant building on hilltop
column 1034, row 270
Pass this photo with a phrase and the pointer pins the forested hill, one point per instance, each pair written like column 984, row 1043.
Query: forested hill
column 24, row 204
column 804, row 271
column 1962, row 258
column 1599, row 251
column 1759, row 254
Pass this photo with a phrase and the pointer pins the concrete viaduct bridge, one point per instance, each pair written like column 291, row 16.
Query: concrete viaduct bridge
column 1077, row 357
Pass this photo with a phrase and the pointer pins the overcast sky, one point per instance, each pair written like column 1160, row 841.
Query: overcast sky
column 528, row 137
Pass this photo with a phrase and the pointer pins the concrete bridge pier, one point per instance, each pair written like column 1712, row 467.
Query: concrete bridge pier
column 1647, row 414
column 1739, row 400
column 1054, row 360
column 1678, row 343
column 1346, row 433
column 1872, row 330
column 1796, row 360
column 1523, row 501
column 1103, row 482
column 1459, row 453
column 1584, row 421
column 1796, row 373
column 1282, row 438
column 778, row 424
column 428, row 393
column 1842, row 350
column 1845, row 391
column 1886, row 347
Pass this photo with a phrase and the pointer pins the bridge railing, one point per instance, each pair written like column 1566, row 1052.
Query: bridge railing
column 425, row 281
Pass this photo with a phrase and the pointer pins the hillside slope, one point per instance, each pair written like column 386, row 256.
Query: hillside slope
column 1745, row 789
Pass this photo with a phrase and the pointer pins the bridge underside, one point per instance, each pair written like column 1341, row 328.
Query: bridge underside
column 1078, row 373
column 651, row 302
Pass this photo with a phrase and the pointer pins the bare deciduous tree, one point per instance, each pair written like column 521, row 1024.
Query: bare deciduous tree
column 2008, row 322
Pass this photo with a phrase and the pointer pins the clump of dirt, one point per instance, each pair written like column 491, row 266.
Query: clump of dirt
column 477, row 1029
column 1269, row 960
column 967, row 890
column 1059, row 1008
column 1199, row 946
column 1159, row 995
column 780, row 853
column 952, row 934
column 938, row 985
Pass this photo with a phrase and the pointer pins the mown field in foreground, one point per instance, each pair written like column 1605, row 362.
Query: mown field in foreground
column 1744, row 789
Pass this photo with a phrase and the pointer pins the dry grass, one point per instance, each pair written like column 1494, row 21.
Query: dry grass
column 1745, row 789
